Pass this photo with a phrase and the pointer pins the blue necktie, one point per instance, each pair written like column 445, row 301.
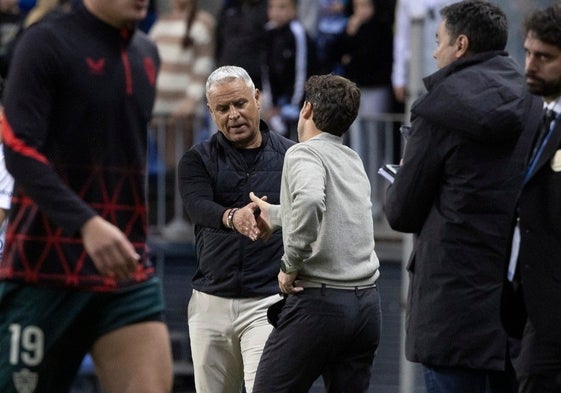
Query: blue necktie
column 548, row 117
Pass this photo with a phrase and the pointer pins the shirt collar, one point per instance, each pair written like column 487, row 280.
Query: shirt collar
column 554, row 105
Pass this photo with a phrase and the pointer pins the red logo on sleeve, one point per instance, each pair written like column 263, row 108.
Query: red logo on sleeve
column 96, row 67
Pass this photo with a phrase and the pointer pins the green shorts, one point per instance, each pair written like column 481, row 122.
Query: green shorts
column 46, row 332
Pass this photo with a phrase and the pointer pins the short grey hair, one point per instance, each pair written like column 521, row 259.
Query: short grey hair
column 226, row 73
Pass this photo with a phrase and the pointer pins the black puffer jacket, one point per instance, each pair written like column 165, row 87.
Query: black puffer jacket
column 214, row 176
column 457, row 190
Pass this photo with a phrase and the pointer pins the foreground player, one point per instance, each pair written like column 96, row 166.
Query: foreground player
column 76, row 277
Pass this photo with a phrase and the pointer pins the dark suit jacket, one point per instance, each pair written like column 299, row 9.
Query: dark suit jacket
column 539, row 261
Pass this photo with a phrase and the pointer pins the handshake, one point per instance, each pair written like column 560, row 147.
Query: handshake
column 252, row 220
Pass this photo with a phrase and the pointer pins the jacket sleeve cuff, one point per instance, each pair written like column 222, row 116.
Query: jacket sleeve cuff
column 285, row 267
column 275, row 216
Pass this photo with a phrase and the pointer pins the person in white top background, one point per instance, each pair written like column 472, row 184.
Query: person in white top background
column 6, row 191
column 186, row 41
column 407, row 11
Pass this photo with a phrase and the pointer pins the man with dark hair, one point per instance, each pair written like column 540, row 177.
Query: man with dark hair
column 535, row 263
column 329, row 267
column 456, row 190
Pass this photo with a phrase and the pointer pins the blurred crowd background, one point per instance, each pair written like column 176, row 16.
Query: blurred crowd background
column 385, row 46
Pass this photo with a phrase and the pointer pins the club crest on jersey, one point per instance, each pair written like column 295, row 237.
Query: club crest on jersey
column 96, row 67
column 25, row 381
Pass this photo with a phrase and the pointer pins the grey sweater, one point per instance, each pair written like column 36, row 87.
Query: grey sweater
column 325, row 212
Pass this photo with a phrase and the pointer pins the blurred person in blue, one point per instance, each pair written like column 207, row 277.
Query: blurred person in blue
column 76, row 275
column 235, row 281
column 533, row 290
column 332, row 17
column 151, row 17
column 456, row 191
column 329, row 322
column 27, row 5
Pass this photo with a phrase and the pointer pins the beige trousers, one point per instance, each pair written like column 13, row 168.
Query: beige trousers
column 227, row 338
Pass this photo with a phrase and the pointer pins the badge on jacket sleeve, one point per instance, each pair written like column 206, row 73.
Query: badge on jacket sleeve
column 556, row 162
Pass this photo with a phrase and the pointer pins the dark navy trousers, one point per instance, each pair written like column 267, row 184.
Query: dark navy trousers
column 333, row 333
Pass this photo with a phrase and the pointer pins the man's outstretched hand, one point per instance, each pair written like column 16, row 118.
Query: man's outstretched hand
column 263, row 220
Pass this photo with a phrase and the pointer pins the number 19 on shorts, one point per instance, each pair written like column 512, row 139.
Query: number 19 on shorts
column 26, row 344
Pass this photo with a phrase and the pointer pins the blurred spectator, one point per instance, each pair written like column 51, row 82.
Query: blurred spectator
column 185, row 41
column 290, row 59
column 151, row 17
column 44, row 7
column 38, row 11
column 407, row 11
column 308, row 15
column 239, row 36
column 11, row 22
column 365, row 49
column 331, row 23
column 26, row 5
column 6, row 191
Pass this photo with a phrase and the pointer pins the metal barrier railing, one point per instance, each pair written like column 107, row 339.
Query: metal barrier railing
column 169, row 139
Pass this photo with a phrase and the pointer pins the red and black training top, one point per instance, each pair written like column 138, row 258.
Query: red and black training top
column 77, row 101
